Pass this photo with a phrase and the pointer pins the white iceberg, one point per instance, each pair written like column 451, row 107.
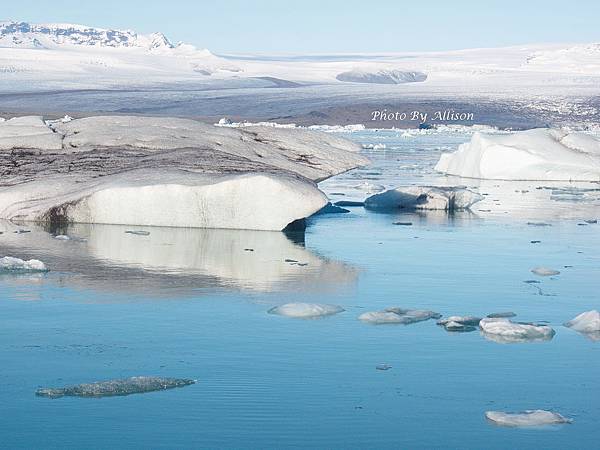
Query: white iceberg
column 10, row 264
column 424, row 198
column 174, row 172
column 539, row 154
column 504, row 331
column 398, row 316
column 305, row 310
column 587, row 323
column 545, row 271
column 529, row 418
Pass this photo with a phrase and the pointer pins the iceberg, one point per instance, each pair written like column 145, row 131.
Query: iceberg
column 398, row 316
column 127, row 386
column 504, row 331
column 424, row 198
column 10, row 264
column 587, row 323
column 305, row 310
column 148, row 171
column 538, row 154
column 529, row 418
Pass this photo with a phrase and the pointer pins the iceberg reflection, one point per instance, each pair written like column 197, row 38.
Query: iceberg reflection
column 107, row 257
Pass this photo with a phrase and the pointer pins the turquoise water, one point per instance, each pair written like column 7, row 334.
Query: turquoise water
column 193, row 304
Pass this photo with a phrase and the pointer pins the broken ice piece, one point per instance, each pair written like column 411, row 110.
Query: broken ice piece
column 138, row 232
column 398, row 316
column 111, row 388
column 529, row 418
column 544, row 271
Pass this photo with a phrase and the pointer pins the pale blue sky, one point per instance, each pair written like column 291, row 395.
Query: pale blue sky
column 320, row 26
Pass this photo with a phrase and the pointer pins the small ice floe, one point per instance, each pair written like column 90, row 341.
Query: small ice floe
column 374, row 146
column 398, row 315
column 405, row 224
column 383, row 367
column 458, row 323
column 368, row 187
column 306, row 310
column 504, row 331
column 539, row 224
column 22, row 231
column 536, row 242
column 545, row 271
column 138, row 232
column 62, row 237
column 591, row 221
column 587, row 323
column 126, row 386
column 424, row 198
column 529, row 418
column 10, row 264
column 500, row 315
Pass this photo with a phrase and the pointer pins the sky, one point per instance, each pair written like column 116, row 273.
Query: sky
column 325, row 27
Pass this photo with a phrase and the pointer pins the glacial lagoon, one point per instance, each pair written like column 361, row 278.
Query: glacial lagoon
column 193, row 304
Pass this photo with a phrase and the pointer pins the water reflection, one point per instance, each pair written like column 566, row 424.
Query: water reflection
column 107, row 257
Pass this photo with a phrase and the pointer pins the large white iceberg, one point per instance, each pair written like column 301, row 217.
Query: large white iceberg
column 505, row 331
column 424, row 198
column 529, row 418
column 539, row 154
column 171, row 172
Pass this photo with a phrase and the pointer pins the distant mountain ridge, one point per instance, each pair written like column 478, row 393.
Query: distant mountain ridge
column 52, row 35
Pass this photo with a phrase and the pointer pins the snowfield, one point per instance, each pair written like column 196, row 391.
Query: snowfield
column 166, row 172
column 539, row 154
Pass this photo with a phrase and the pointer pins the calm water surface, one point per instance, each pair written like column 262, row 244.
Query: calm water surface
column 192, row 304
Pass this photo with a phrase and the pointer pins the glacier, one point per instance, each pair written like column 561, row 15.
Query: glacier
column 166, row 172
column 538, row 154
column 529, row 418
column 382, row 76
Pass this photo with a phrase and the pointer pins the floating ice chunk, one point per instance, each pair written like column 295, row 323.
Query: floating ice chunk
column 425, row 198
column 539, row 154
column 458, row 323
column 383, row 367
column 398, row 315
column 499, row 315
column 587, row 323
column 28, row 132
column 529, row 418
column 305, row 310
column 504, row 331
column 62, row 237
column 545, row 271
column 10, row 264
column 138, row 232
column 127, row 386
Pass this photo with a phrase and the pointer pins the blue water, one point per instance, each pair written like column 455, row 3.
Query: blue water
column 192, row 304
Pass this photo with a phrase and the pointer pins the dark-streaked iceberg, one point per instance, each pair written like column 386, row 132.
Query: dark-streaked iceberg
column 165, row 172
